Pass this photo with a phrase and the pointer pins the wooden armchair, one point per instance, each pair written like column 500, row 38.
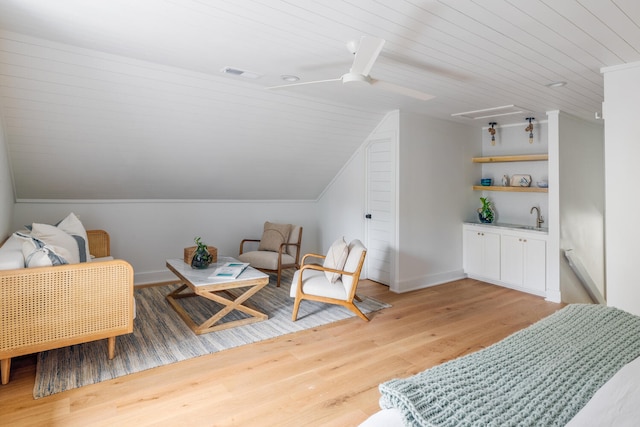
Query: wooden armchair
column 311, row 282
column 282, row 256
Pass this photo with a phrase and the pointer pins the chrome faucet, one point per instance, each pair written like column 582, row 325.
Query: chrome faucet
column 539, row 219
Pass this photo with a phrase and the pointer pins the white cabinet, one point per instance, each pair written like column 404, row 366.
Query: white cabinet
column 482, row 253
column 524, row 262
column 503, row 256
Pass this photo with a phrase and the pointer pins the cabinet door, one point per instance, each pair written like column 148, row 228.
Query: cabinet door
column 535, row 262
column 473, row 248
column 512, row 260
column 491, row 252
column 482, row 253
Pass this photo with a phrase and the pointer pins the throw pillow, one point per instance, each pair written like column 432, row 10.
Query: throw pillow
column 58, row 241
column 336, row 258
column 72, row 226
column 37, row 254
column 273, row 236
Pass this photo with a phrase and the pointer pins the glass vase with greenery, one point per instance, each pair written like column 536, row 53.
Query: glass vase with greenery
column 201, row 257
column 485, row 212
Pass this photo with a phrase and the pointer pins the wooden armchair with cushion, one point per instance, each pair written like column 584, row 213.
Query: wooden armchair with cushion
column 278, row 249
column 334, row 282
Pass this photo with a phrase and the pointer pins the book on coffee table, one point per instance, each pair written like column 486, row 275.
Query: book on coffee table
column 229, row 270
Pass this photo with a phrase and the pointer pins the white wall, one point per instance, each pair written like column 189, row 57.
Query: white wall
column 6, row 188
column 435, row 175
column 581, row 204
column 146, row 233
column 622, row 151
column 342, row 205
column 435, row 197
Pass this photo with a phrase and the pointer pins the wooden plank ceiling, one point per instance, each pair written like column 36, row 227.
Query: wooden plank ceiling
column 125, row 99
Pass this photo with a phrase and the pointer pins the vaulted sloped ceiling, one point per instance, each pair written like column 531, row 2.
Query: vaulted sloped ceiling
column 125, row 99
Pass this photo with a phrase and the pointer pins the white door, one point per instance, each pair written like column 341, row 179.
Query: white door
column 380, row 215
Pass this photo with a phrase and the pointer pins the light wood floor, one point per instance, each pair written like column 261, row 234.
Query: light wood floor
column 325, row 376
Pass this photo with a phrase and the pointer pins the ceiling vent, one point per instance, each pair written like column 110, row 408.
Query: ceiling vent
column 487, row 113
column 241, row 73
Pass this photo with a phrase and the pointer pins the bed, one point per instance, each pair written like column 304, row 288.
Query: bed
column 577, row 367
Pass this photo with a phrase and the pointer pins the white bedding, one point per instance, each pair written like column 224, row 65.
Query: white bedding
column 616, row 403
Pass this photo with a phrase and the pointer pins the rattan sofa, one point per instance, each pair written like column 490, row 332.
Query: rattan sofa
column 44, row 308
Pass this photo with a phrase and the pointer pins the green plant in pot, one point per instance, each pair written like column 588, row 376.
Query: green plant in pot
column 485, row 213
column 201, row 257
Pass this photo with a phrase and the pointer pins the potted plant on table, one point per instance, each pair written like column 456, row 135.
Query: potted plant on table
column 201, row 257
column 485, row 212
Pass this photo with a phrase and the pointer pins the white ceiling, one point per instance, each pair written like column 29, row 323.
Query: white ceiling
column 119, row 99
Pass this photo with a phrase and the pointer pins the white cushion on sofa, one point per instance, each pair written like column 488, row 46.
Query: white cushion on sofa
column 11, row 254
column 58, row 240
column 36, row 256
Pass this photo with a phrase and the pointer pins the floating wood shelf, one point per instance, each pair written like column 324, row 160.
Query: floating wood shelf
column 520, row 158
column 511, row 189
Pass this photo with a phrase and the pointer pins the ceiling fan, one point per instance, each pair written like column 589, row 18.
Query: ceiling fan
column 365, row 56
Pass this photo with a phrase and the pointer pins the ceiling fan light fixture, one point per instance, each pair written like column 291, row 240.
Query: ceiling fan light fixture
column 358, row 78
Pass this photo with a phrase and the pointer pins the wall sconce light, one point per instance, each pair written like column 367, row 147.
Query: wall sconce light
column 492, row 131
column 530, row 129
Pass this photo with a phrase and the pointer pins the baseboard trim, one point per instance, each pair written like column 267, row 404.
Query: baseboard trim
column 153, row 277
column 428, row 281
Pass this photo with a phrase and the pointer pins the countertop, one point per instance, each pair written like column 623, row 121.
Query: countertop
column 514, row 227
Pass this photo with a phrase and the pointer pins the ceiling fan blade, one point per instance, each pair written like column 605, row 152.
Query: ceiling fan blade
column 391, row 87
column 366, row 55
column 304, row 83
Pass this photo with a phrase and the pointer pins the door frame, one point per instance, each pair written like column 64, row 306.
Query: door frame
column 391, row 136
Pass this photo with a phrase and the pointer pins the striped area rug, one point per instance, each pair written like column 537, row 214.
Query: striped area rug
column 161, row 337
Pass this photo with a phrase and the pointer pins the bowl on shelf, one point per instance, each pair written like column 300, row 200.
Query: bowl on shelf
column 486, row 181
column 542, row 184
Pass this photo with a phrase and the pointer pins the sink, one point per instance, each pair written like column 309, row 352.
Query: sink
column 531, row 227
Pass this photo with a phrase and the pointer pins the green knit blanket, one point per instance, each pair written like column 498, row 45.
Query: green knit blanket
column 540, row 376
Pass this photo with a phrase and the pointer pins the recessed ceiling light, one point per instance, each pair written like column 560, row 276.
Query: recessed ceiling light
column 556, row 84
column 289, row 78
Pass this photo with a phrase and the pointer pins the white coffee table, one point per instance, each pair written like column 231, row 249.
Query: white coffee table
column 197, row 282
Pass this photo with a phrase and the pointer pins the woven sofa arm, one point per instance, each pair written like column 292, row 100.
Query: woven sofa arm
column 50, row 307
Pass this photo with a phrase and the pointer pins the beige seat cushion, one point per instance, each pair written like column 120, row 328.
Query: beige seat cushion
column 273, row 236
column 355, row 252
column 335, row 259
column 265, row 259
column 293, row 238
column 315, row 282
